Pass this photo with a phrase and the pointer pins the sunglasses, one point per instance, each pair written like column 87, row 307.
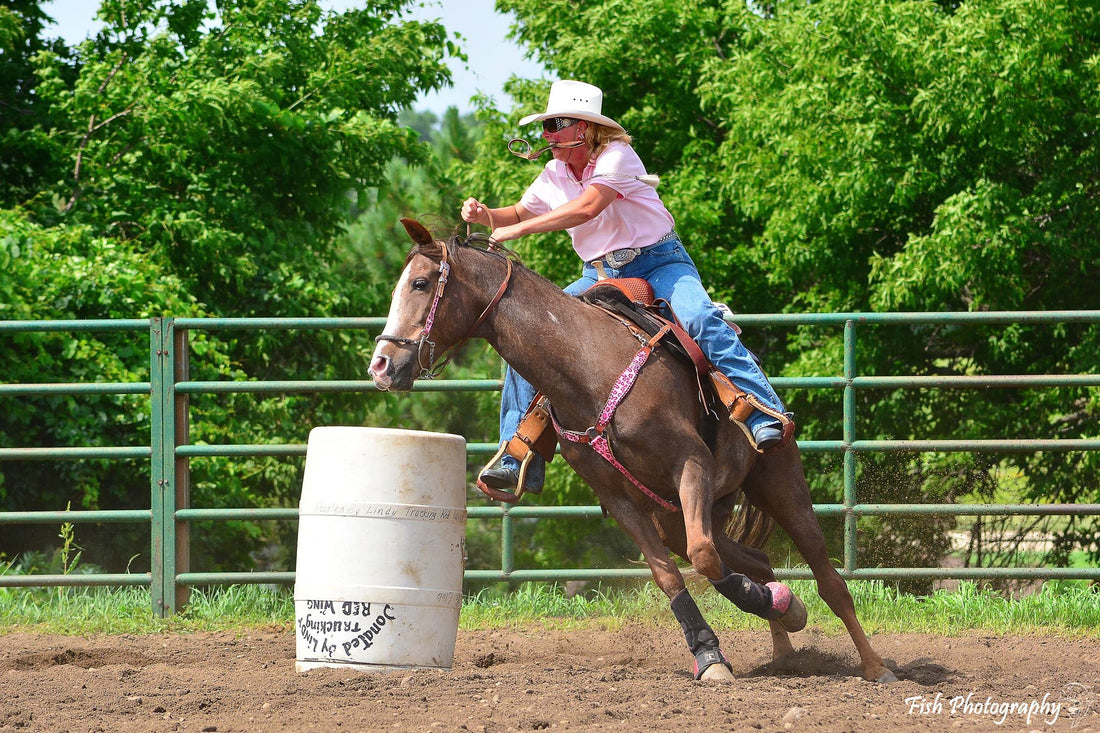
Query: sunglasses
column 557, row 124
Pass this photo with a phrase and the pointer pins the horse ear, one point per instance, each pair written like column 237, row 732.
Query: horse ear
column 417, row 232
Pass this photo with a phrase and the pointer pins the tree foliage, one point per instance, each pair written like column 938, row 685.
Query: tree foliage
column 248, row 158
column 228, row 145
column 843, row 156
column 29, row 156
column 194, row 160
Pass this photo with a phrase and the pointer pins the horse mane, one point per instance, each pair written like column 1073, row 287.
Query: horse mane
column 433, row 250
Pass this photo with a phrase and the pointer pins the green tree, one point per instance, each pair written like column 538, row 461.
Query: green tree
column 905, row 158
column 375, row 243
column 70, row 272
column 228, row 143
column 837, row 155
column 29, row 156
column 199, row 161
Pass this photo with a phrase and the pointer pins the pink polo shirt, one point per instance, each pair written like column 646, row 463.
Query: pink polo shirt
column 636, row 218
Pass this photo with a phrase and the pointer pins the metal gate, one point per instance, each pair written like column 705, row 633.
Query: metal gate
column 169, row 389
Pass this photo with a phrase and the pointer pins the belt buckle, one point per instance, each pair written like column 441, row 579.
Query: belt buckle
column 619, row 257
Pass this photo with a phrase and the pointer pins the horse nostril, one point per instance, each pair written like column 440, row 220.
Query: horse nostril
column 379, row 365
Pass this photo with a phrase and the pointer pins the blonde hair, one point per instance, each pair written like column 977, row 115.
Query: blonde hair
column 597, row 137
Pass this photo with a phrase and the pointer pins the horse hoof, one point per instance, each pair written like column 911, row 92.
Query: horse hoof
column 886, row 678
column 788, row 608
column 716, row 673
column 711, row 665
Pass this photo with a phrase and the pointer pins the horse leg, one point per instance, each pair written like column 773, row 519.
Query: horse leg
column 768, row 599
column 757, row 566
column 777, row 485
column 751, row 592
column 710, row 664
column 697, row 503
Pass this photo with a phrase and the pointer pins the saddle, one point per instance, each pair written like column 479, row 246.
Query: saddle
column 621, row 297
column 632, row 299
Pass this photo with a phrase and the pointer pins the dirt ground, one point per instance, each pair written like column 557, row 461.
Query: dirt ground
column 636, row 678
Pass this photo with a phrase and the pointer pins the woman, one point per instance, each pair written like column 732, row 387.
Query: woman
column 620, row 228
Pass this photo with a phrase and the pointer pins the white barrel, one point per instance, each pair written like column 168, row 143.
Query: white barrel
column 381, row 549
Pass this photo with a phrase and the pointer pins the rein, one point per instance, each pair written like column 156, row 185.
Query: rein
column 426, row 369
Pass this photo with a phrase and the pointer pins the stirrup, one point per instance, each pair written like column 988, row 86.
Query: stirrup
column 740, row 405
column 509, row 497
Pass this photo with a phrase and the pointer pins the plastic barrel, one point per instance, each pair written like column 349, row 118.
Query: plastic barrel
column 381, row 549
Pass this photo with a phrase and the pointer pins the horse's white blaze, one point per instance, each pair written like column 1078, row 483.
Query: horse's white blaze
column 395, row 307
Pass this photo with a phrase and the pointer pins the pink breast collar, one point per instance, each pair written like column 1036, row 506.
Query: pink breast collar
column 595, row 437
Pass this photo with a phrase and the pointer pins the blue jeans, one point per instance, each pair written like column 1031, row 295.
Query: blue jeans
column 672, row 273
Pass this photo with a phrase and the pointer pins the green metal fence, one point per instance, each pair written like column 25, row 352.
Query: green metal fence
column 169, row 388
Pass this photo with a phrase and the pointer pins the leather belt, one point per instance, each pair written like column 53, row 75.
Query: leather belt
column 617, row 258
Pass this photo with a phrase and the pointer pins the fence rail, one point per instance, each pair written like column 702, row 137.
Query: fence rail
column 169, row 389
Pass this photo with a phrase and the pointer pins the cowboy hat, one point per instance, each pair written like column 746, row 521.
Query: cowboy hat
column 576, row 100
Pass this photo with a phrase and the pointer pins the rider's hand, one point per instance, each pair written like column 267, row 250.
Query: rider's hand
column 505, row 234
column 472, row 210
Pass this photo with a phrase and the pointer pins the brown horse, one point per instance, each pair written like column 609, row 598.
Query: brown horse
column 549, row 338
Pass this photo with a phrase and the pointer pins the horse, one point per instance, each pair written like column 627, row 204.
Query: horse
column 680, row 493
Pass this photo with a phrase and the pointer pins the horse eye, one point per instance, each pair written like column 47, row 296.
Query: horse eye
column 420, row 283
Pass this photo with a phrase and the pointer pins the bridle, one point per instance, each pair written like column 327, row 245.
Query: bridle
column 426, row 370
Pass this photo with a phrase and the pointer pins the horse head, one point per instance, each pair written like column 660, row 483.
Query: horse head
column 422, row 325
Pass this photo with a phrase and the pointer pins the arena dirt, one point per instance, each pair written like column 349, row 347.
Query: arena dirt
column 533, row 678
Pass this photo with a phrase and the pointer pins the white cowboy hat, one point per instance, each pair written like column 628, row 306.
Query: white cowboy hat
column 576, row 100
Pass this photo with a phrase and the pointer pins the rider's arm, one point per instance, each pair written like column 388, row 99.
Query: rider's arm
column 584, row 208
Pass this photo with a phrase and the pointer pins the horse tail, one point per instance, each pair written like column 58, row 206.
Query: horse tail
column 750, row 526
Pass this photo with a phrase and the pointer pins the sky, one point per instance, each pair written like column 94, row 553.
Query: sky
column 493, row 58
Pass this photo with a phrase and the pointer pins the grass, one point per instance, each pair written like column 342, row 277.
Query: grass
column 1061, row 608
column 128, row 610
